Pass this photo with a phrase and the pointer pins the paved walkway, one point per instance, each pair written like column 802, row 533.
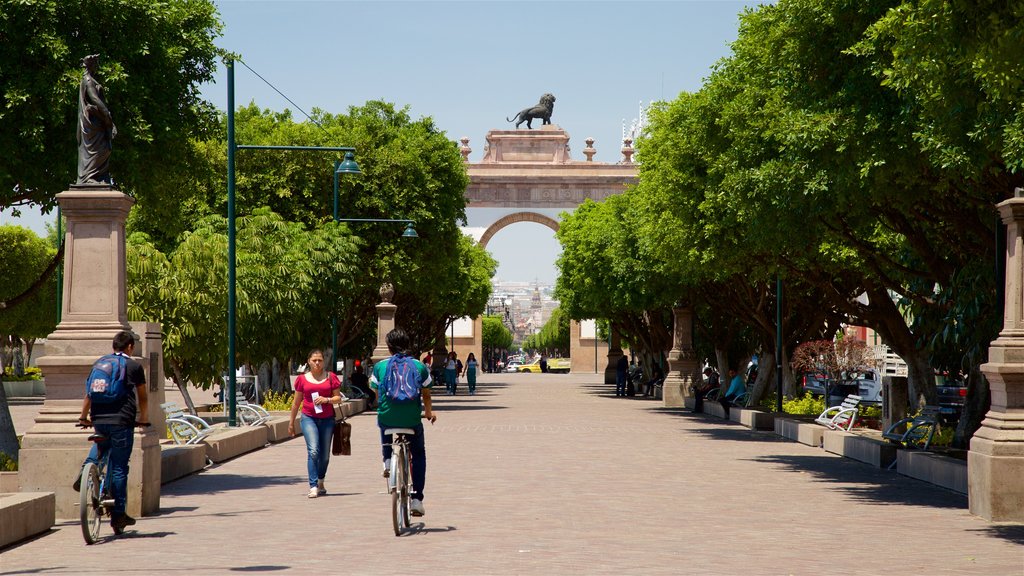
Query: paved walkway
column 550, row 475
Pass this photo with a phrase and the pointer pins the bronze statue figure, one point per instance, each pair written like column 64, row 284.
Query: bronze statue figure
column 96, row 128
column 542, row 110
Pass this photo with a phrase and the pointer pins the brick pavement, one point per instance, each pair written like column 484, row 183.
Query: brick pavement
column 551, row 475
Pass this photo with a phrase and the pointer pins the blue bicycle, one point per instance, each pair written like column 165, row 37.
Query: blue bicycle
column 94, row 498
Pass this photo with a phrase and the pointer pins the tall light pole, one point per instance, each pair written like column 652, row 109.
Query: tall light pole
column 232, row 261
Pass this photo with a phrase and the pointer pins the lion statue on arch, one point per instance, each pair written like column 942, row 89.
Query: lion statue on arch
column 542, row 111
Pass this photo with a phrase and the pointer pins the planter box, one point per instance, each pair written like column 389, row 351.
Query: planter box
column 178, row 461
column 801, row 431
column 713, row 408
column 944, row 471
column 868, row 450
column 230, row 442
column 25, row 514
column 9, row 482
column 753, row 419
column 20, row 389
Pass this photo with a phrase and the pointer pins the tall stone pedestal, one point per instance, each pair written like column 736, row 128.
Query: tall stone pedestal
column 682, row 359
column 995, row 462
column 385, row 323
column 93, row 311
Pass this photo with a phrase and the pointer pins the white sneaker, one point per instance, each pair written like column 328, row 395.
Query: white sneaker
column 313, row 492
column 416, row 507
column 387, row 468
column 320, row 490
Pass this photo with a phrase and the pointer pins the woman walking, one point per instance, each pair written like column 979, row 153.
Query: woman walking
column 471, row 365
column 451, row 372
column 315, row 392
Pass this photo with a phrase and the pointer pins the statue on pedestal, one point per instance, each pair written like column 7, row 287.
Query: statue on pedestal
column 96, row 129
column 542, row 110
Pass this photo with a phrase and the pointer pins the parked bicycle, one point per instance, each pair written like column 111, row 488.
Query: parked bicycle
column 94, row 498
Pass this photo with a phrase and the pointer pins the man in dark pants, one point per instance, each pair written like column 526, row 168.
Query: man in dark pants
column 709, row 384
column 117, row 421
column 621, row 369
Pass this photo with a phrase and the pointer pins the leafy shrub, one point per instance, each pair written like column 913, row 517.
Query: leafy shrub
column 870, row 411
column 8, row 464
column 943, row 436
column 278, row 400
column 31, row 373
column 808, row 404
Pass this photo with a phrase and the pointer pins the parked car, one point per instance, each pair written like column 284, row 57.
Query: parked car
column 555, row 365
column 513, row 366
column 868, row 387
column 952, row 394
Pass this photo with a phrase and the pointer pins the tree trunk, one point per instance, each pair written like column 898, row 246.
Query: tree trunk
column 976, row 405
column 765, row 377
column 182, row 387
column 919, row 374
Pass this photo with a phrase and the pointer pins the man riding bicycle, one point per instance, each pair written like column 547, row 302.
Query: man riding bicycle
column 392, row 413
column 116, row 421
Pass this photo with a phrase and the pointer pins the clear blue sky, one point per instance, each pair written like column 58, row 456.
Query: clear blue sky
column 471, row 64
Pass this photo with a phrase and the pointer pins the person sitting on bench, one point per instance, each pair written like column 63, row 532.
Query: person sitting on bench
column 736, row 389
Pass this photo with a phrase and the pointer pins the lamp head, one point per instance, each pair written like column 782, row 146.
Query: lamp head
column 410, row 232
column 348, row 165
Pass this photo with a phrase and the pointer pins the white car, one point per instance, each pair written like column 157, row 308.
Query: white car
column 513, row 366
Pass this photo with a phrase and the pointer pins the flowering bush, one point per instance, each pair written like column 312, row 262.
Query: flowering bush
column 841, row 360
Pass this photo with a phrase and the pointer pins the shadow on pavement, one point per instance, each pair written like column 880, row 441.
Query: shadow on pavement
column 421, row 528
column 445, row 407
column 259, row 568
column 872, row 485
column 1014, row 534
column 214, row 483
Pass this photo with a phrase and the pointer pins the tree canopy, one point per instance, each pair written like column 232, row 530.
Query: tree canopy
column 153, row 57
column 856, row 150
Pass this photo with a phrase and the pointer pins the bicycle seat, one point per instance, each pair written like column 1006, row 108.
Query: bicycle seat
column 406, row 431
column 95, row 437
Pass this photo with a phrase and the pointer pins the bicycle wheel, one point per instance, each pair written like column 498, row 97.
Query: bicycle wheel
column 396, row 492
column 406, row 488
column 89, row 503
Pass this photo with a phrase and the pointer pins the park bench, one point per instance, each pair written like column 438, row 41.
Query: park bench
column 840, row 417
column 185, row 428
column 914, row 431
column 250, row 414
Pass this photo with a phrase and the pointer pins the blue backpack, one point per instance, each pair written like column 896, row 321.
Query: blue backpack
column 402, row 380
column 105, row 384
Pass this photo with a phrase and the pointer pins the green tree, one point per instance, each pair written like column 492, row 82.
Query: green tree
column 23, row 259
column 410, row 170
column 154, row 56
column 289, row 283
column 495, row 333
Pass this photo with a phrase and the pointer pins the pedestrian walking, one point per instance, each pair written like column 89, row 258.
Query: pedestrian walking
column 316, row 393
column 471, row 368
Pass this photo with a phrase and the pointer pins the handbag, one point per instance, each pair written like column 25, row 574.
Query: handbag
column 341, row 443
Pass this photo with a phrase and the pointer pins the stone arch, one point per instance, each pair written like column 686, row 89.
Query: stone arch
column 514, row 218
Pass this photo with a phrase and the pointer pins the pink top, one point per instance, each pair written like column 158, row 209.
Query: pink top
column 325, row 389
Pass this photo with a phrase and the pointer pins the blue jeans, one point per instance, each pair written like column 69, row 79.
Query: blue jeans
column 620, row 384
column 418, row 448
column 449, row 380
column 118, row 447
column 317, row 432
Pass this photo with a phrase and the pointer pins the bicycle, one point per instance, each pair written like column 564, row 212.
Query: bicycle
column 400, row 477
column 94, row 498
